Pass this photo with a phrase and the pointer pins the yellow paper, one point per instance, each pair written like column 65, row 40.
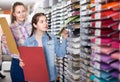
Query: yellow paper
column 9, row 37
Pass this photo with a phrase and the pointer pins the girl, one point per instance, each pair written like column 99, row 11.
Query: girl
column 40, row 37
column 21, row 31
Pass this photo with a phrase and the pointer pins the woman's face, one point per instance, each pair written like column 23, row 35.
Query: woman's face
column 20, row 13
column 42, row 24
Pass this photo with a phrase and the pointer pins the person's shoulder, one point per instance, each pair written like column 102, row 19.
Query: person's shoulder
column 28, row 41
column 12, row 26
column 51, row 35
column 27, row 23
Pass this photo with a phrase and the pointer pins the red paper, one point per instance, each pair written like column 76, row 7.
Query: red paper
column 35, row 69
column 116, row 55
column 105, row 23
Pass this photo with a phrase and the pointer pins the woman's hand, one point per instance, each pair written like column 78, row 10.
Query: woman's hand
column 3, row 39
column 21, row 63
column 65, row 33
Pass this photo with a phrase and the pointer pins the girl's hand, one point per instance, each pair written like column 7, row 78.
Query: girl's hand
column 65, row 33
column 3, row 39
column 21, row 63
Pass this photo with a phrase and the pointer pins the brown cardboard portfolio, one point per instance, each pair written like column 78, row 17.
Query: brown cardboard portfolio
column 9, row 37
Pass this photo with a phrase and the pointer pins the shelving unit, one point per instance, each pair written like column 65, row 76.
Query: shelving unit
column 93, row 43
column 85, row 44
column 48, row 15
column 72, row 59
column 106, row 41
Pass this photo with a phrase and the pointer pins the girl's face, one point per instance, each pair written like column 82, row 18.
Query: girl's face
column 20, row 13
column 42, row 24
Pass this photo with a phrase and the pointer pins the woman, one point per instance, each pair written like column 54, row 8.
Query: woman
column 21, row 30
column 52, row 47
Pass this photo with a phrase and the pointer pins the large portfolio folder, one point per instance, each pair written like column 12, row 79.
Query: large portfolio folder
column 35, row 69
column 9, row 36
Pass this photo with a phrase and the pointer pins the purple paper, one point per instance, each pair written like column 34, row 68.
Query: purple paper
column 115, row 65
column 103, row 66
column 103, row 58
column 115, row 74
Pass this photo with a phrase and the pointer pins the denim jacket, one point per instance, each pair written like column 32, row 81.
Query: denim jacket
column 52, row 48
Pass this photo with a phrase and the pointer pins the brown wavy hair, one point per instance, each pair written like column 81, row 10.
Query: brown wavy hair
column 35, row 19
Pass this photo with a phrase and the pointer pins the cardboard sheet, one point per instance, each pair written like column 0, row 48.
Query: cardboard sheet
column 9, row 37
column 0, row 41
column 35, row 69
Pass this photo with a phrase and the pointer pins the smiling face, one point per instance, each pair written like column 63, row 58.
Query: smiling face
column 20, row 13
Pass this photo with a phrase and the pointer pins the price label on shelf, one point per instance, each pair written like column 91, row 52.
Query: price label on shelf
column 70, row 14
column 84, row 18
column 96, row 1
column 97, row 57
column 97, row 73
column 98, row 41
column 96, row 80
column 119, row 27
column 68, row 2
column 96, row 65
column 97, row 32
column 97, row 49
column 98, row 7
column 83, row 1
column 84, row 13
column 97, row 15
column 98, row 24
column 88, row 24
column 84, row 7
column 86, row 31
